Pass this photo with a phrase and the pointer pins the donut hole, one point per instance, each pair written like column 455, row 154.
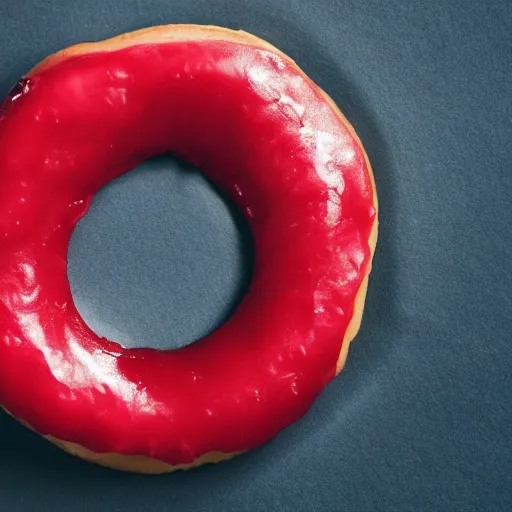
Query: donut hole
column 161, row 259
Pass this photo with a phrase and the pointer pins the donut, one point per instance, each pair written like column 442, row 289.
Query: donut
column 242, row 111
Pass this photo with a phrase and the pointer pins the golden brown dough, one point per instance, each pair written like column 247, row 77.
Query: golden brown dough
column 170, row 33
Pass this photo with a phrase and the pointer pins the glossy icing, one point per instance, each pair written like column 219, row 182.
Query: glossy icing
column 266, row 135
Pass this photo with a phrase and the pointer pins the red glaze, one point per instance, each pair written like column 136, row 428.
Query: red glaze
column 266, row 135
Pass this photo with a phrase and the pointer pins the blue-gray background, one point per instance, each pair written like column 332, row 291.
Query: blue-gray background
column 421, row 417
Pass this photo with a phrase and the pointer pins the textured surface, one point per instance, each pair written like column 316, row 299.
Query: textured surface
column 420, row 417
column 287, row 160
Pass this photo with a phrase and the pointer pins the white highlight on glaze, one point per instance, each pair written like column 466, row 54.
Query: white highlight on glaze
column 100, row 369
column 328, row 158
column 74, row 366
column 29, row 273
column 116, row 96
column 28, row 289
column 333, row 208
column 260, row 77
column 332, row 153
column 119, row 74
column 272, row 88
column 32, row 329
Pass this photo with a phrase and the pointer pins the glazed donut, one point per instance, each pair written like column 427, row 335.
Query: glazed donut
column 243, row 112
